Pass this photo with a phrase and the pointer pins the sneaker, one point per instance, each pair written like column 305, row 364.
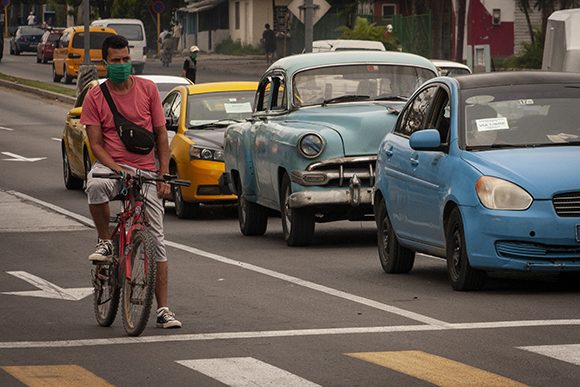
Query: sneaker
column 103, row 252
column 166, row 319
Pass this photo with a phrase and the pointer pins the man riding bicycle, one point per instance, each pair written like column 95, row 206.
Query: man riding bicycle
column 138, row 100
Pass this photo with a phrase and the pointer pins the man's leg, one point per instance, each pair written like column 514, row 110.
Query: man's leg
column 161, row 284
column 101, row 215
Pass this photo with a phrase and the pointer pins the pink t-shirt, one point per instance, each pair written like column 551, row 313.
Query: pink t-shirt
column 141, row 105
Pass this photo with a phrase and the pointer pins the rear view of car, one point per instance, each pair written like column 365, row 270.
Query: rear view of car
column 25, row 39
column 45, row 49
column 134, row 31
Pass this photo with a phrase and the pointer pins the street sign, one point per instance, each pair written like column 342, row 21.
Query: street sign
column 158, row 6
column 6, row 3
column 320, row 9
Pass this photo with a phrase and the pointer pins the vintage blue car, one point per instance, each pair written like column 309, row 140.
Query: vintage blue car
column 310, row 148
column 483, row 170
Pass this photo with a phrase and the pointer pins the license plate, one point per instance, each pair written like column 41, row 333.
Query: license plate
column 578, row 233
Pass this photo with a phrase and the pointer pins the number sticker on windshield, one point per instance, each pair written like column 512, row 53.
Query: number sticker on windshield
column 486, row 124
column 231, row 108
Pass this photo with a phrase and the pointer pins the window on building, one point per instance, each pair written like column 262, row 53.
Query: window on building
column 389, row 10
column 237, row 15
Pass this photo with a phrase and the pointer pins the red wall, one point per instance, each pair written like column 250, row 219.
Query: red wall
column 481, row 31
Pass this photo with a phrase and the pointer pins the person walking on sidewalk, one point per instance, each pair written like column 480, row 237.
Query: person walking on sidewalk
column 190, row 64
column 269, row 42
column 138, row 100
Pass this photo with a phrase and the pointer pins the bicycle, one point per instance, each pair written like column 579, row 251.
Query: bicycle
column 131, row 272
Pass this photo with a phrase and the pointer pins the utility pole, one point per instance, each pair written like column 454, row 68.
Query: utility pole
column 308, row 25
column 87, row 71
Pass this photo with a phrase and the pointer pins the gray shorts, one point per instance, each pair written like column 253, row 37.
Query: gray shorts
column 101, row 191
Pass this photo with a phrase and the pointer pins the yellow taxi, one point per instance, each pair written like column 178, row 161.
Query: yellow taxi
column 196, row 118
column 70, row 51
column 77, row 156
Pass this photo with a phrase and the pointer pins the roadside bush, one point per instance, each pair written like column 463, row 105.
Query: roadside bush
column 229, row 47
column 530, row 57
column 364, row 30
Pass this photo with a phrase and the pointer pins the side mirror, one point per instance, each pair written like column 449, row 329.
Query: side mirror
column 426, row 140
column 170, row 124
column 75, row 112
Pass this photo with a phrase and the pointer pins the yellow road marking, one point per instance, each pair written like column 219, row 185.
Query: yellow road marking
column 435, row 369
column 55, row 375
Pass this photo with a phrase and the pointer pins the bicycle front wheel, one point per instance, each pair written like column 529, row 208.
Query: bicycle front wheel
column 107, row 289
column 138, row 291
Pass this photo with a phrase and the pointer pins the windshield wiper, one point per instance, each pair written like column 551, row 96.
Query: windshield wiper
column 385, row 97
column 215, row 124
column 344, row 98
column 500, row 146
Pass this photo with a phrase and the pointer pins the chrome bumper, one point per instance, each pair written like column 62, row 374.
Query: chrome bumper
column 354, row 196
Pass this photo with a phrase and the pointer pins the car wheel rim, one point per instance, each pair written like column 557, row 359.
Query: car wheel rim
column 385, row 237
column 65, row 168
column 456, row 254
column 178, row 202
column 243, row 210
column 287, row 211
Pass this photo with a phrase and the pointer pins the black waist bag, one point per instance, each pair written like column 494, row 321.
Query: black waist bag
column 136, row 138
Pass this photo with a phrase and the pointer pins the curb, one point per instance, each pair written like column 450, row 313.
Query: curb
column 39, row 92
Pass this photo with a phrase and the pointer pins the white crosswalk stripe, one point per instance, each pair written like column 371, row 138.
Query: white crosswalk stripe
column 245, row 372
column 566, row 352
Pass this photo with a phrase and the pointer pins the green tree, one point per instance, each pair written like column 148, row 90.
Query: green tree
column 365, row 30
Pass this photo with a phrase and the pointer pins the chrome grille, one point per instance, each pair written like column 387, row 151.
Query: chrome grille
column 340, row 171
column 567, row 205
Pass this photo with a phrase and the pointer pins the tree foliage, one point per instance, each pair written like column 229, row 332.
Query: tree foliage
column 365, row 30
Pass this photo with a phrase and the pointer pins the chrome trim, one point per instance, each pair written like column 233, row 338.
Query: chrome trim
column 342, row 160
column 299, row 143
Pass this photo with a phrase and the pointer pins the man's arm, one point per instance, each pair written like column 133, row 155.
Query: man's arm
column 162, row 147
column 95, row 134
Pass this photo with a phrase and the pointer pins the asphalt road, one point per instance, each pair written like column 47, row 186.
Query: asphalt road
column 255, row 312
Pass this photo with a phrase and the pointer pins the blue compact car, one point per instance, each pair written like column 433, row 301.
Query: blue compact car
column 483, row 170
column 310, row 147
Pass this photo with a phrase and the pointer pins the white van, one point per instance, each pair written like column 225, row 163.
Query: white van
column 134, row 31
column 346, row 44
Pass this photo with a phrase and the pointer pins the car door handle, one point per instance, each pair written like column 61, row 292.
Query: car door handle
column 414, row 160
column 389, row 151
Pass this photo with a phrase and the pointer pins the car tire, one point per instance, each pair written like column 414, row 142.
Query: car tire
column 461, row 275
column 11, row 50
column 38, row 60
column 70, row 182
column 55, row 76
column 183, row 210
column 297, row 223
column 43, row 59
column 394, row 258
column 68, row 79
column 253, row 218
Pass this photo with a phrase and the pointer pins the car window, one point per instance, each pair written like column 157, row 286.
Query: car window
column 278, row 95
column 96, row 39
column 416, row 112
column 53, row 37
column 375, row 81
column 262, row 102
column 440, row 117
column 130, row 31
column 226, row 105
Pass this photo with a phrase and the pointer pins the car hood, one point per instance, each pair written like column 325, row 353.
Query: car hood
column 542, row 171
column 361, row 126
column 212, row 138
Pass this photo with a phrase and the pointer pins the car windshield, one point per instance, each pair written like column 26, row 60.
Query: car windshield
column 522, row 116
column 454, row 71
column 54, row 37
column 165, row 87
column 211, row 107
column 312, row 87
column 130, row 31
column 28, row 30
column 96, row 38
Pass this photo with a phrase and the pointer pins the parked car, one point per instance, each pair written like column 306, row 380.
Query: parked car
column 70, row 52
column 199, row 115
column 481, row 170
column 310, row 148
column 45, row 48
column 449, row 68
column 25, row 39
column 77, row 156
column 346, row 44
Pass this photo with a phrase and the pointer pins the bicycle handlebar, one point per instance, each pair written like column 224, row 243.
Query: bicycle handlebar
column 171, row 179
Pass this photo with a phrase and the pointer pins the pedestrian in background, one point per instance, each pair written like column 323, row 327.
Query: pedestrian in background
column 166, row 49
column 190, row 64
column 269, row 42
column 31, row 19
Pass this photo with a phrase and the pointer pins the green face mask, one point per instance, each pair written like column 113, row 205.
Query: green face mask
column 118, row 72
column 193, row 55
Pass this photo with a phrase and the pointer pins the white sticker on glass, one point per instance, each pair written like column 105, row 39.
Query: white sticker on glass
column 486, row 124
column 244, row 107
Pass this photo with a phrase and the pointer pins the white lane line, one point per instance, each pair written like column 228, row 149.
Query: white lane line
column 8, row 129
column 276, row 334
column 313, row 286
column 245, row 372
column 566, row 352
column 79, row 218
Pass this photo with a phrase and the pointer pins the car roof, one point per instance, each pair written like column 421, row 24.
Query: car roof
column 350, row 44
column 508, row 78
column 216, row 87
column 294, row 63
column 449, row 64
column 116, row 21
column 167, row 79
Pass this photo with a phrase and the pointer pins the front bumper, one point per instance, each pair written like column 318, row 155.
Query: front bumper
column 354, row 195
column 532, row 240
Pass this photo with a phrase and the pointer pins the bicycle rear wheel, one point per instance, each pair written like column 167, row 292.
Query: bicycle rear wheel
column 107, row 289
column 138, row 292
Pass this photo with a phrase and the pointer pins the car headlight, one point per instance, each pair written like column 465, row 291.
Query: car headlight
column 499, row 194
column 311, row 145
column 203, row 153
